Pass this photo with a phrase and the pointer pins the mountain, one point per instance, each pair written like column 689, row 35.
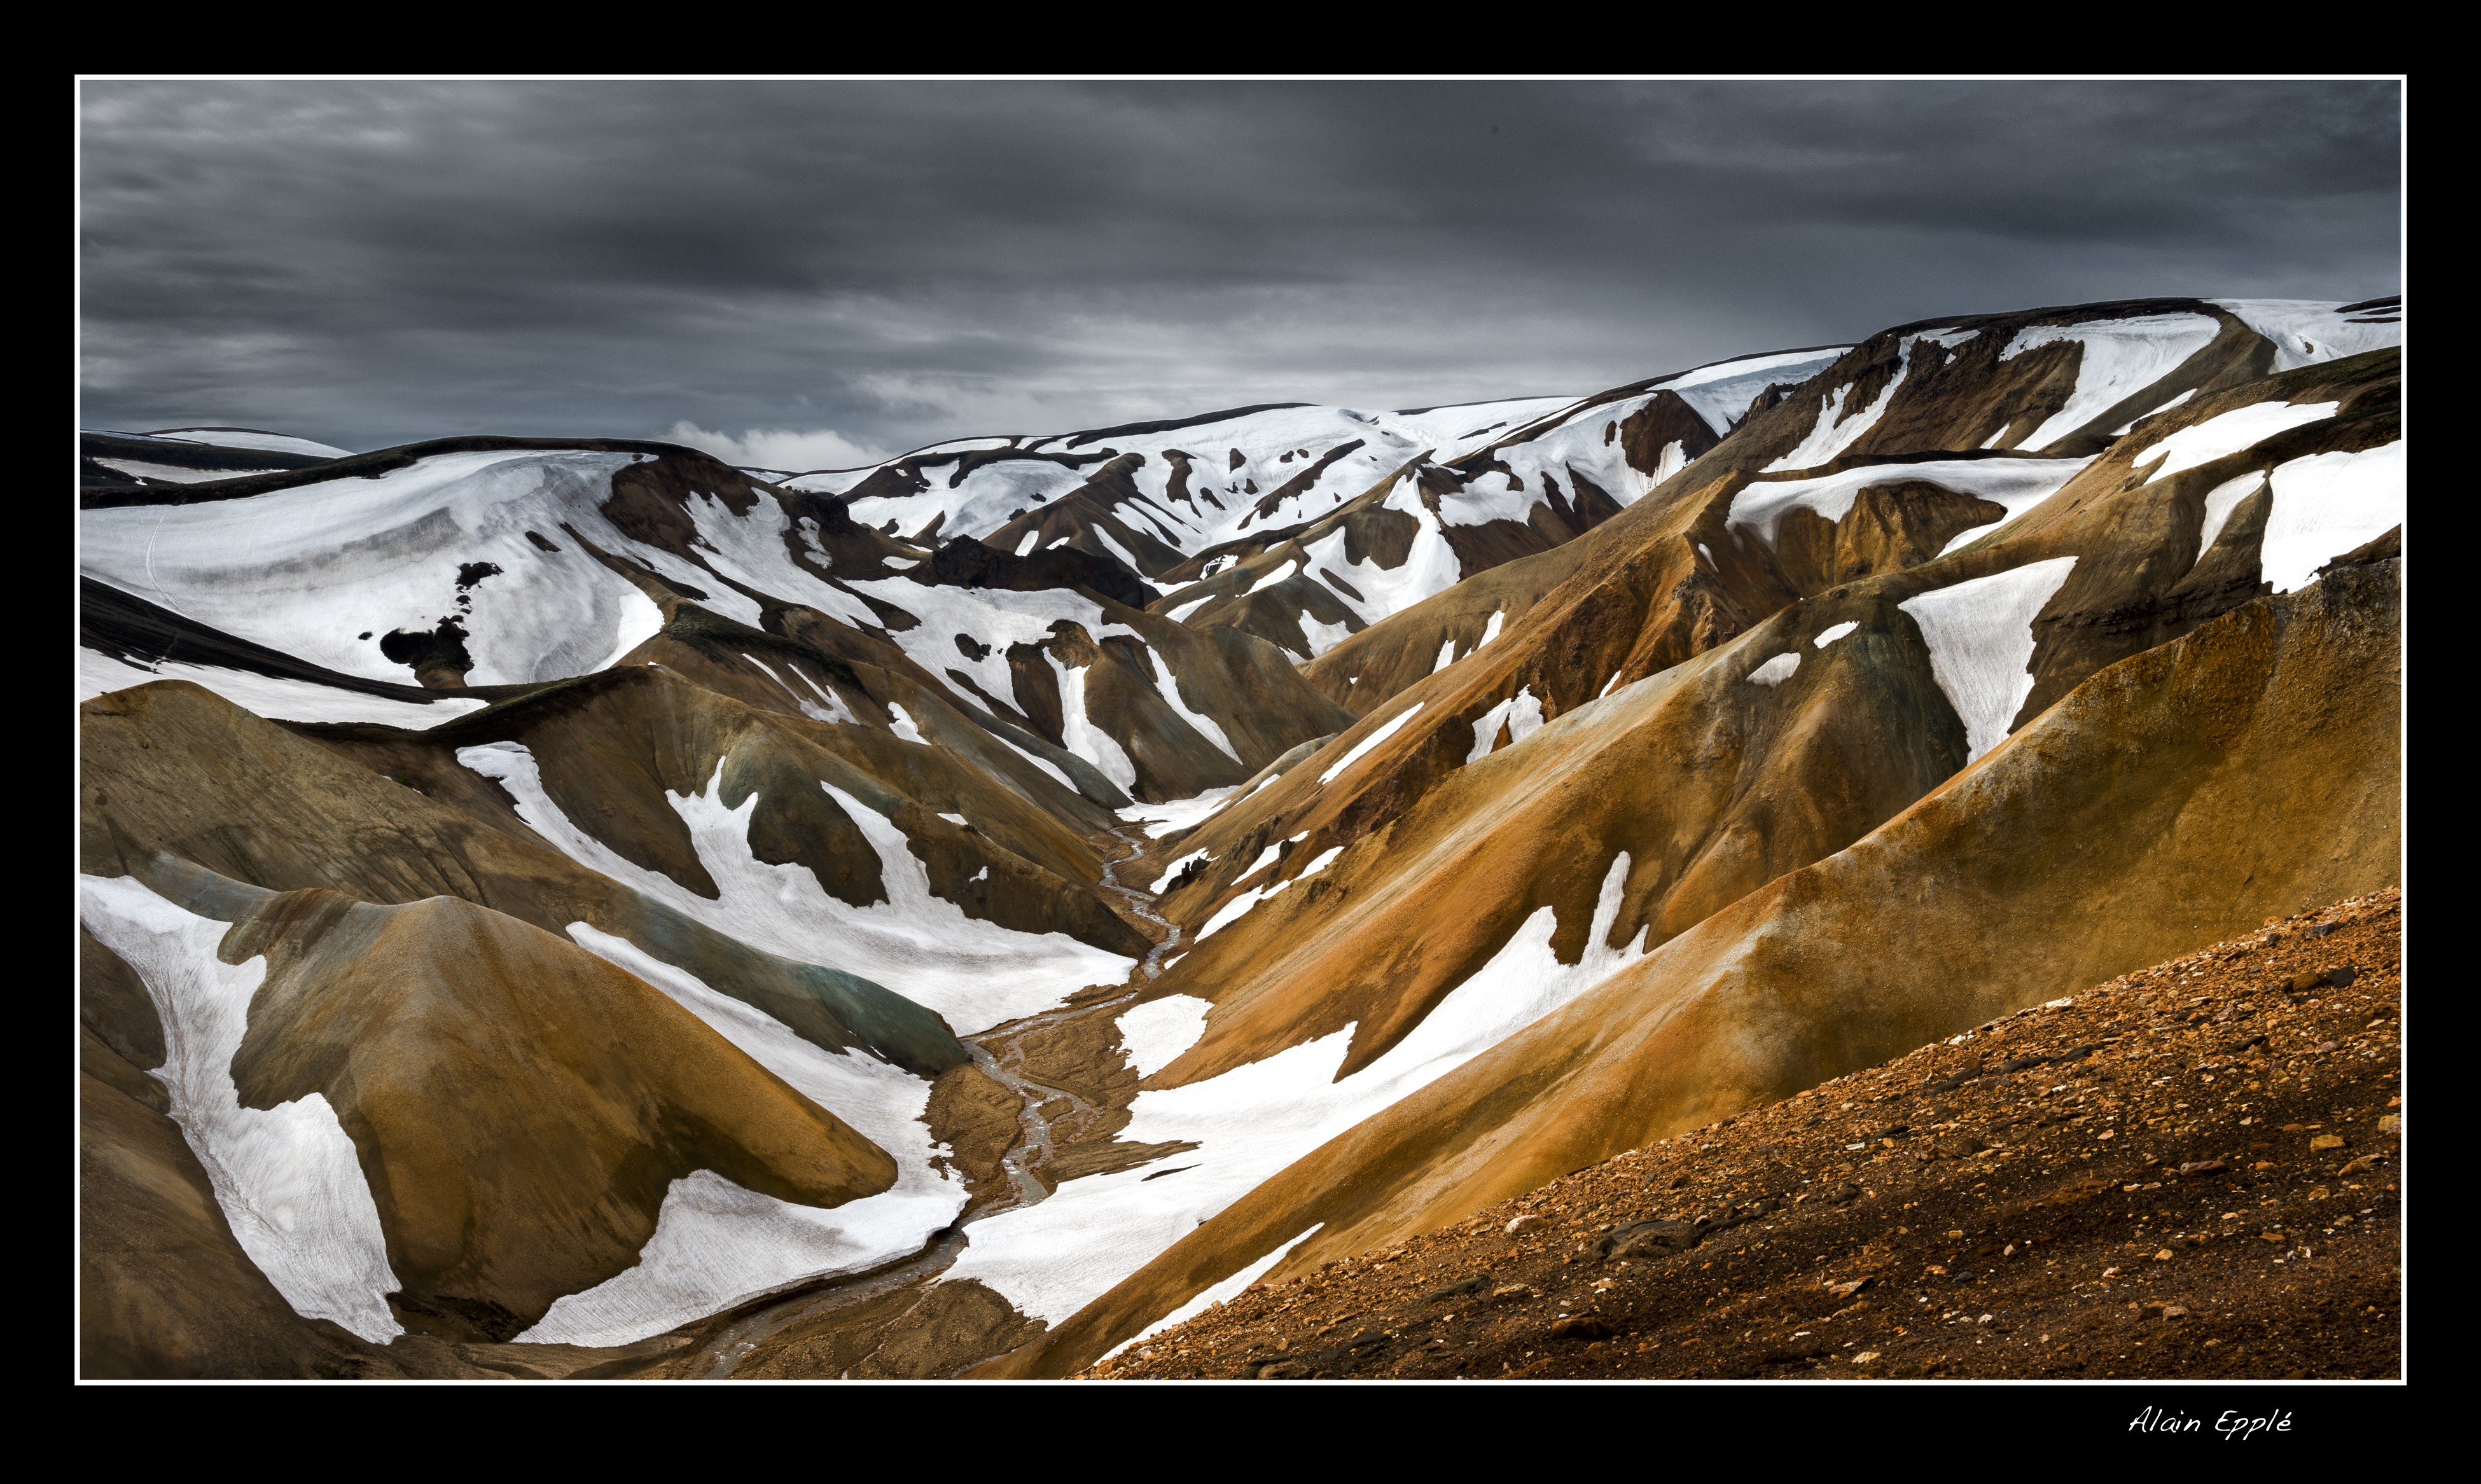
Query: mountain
column 1065, row 876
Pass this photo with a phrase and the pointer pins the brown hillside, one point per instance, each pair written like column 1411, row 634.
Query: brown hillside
column 2123, row 824
column 1714, row 784
column 2187, row 1172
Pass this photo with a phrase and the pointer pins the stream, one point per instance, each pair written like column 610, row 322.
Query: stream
column 1000, row 1052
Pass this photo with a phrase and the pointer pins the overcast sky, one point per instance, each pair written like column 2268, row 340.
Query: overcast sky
column 806, row 274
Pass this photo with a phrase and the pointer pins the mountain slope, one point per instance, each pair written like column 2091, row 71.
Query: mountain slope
column 1051, row 877
column 1910, row 934
column 1716, row 776
column 2188, row 1171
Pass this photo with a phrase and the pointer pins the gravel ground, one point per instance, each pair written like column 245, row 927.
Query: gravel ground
column 2187, row 1172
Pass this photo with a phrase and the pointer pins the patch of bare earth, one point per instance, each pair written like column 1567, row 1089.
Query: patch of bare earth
column 2187, row 1172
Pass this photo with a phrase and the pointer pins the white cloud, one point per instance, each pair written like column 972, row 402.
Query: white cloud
column 778, row 448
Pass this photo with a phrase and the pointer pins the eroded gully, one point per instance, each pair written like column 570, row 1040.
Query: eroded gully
column 1044, row 1112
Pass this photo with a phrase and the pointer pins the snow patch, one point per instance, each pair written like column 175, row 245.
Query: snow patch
column 1721, row 393
column 1156, row 820
column 1175, row 868
column 1833, row 632
column 2131, row 423
column 2325, row 504
column 1273, row 575
column 1222, row 1292
column 1323, row 636
column 1078, row 734
column 2229, row 432
column 2220, row 502
column 1127, row 559
column 287, row 1178
column 175, row 474
column 639, row 621
column 1156, row 1032
column 1362, row 749
column 1320, row 862
column 1980, row 639
column 1043, row 763
column 1673, row 459
column 831, row 706
column 1777, row 670
column 1167, row 684
column 833, row 710
column 1236, row 909
column 1834, row 432
column 1520, row 714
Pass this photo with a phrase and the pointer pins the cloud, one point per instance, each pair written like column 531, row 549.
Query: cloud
column 776, row 448
column 367, row 263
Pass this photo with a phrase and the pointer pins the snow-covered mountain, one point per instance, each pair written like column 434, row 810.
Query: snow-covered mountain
column 546, row 896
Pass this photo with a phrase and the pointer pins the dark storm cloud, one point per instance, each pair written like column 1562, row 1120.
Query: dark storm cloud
column 890, row 263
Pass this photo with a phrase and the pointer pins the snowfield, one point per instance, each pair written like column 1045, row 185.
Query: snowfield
column 1156, row 1031
column 308, row 570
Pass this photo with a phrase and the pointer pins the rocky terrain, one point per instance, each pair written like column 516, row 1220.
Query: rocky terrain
column 572, row 908
column 2190, row 1171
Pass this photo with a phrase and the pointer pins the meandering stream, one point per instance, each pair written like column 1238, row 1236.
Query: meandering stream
column 1000, row 1052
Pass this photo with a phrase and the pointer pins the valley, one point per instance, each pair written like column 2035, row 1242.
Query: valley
column 1257, row 895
